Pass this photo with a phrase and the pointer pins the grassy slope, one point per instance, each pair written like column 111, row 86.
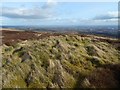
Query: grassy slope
column 57, row 61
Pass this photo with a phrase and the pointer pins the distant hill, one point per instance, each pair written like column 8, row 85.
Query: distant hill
column 104, row 30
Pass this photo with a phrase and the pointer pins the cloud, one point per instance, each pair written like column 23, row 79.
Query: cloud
column 25, row 13
column 110, row 15
column 1, row 19
column 110, row 18
column 49, row 4
column 43, row 12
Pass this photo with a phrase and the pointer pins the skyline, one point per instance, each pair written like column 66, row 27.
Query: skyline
column 59, row 13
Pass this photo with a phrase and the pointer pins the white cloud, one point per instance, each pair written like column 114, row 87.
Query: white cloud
column 113, row 13
column 50, row 4
column 43, row 12
column 52, row 1
column 25, row 13
column 1, row 19
column 108, row 15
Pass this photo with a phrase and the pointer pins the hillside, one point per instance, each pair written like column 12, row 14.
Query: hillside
column 52, row 60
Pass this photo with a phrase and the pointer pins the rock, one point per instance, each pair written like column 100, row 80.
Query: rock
column 25, row 57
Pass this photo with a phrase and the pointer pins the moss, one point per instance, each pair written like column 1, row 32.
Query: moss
column 10, row 48
column 16, row 82
column 4, row 61
column 36, row 84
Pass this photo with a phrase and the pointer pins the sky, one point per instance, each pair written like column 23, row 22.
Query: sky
column 59, row 13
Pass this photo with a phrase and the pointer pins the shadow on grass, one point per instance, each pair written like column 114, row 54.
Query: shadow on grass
column 106, row 76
